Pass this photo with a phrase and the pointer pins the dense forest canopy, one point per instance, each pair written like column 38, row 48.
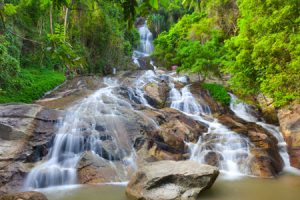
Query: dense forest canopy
column 255, row 42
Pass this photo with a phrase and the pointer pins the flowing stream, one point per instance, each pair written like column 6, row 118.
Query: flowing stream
column 231, row 149
column 96, row 124
column 245, row 112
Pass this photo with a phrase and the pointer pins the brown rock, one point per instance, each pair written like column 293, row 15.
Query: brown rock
column 24, row 196
column 168, row 142
column 289, row 120
column 158, row 93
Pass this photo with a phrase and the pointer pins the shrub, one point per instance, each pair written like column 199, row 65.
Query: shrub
column 218, row 92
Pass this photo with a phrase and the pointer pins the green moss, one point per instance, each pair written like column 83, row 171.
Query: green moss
column 30, row 85
column 218, row 92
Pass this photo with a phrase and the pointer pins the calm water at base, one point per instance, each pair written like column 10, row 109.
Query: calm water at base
column 286, row 187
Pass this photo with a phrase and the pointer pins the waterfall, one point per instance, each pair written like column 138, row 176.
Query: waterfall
column 137, row 94
column 146, row 38
column 230, row 149
column 146, row 45
column 93, row 124
column 244, row 111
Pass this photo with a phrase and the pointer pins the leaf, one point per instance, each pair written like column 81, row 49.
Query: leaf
column 10, row 9
column 154, row 4
column 164, row 3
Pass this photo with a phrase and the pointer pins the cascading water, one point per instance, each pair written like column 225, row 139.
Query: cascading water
column 146, row 45
column 96, row 123
column 231, row 149
column 137, row 93
column 146, row 38
column 244, row 111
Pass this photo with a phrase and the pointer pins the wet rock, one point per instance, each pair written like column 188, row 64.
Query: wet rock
column 213, row 158
column 168, row 142
column 266, row 160
column 203, row 97
column 171, row 180
column 26, row 134
column 145, row 63
column 24, row 196
column 109, row 151
column 92, row 169
column 289, row 120
column 158, row 93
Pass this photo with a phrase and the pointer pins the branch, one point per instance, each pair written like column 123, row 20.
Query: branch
column 34, row 41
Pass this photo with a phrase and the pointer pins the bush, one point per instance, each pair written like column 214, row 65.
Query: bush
column 218, row 92
column 9, row 65
column 30, row 85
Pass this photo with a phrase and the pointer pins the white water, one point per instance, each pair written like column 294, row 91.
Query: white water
column 232, row 149
column 146, row 45
column 244, row 111
column 93, row 124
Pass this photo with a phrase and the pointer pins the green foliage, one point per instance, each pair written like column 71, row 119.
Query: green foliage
column 218, row 92
column 167, row 43
column 257, row 43
column 9, row 65
column 10, row 9
column 162, row 19
column 62, row 51
column 31, row 84
column 194, row 44
column 198, row 58
column 264, row 57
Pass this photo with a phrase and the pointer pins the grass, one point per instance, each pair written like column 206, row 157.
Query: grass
column 218, row 92
column 30, row 85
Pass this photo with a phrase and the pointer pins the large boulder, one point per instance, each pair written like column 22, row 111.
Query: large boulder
column 157, row 92
column 26, row 132
column 171, row 180
column 24, row 196
column 289, row 119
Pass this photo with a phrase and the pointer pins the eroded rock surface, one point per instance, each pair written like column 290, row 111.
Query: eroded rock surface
column 289, row 119
column 158, row 92
column 26, row 132
column 171, row 180
column 168, row 142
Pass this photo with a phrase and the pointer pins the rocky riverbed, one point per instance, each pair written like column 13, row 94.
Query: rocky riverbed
column 149, row 130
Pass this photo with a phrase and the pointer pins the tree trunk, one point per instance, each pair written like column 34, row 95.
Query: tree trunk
column 66, row 22
column 51, row 19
